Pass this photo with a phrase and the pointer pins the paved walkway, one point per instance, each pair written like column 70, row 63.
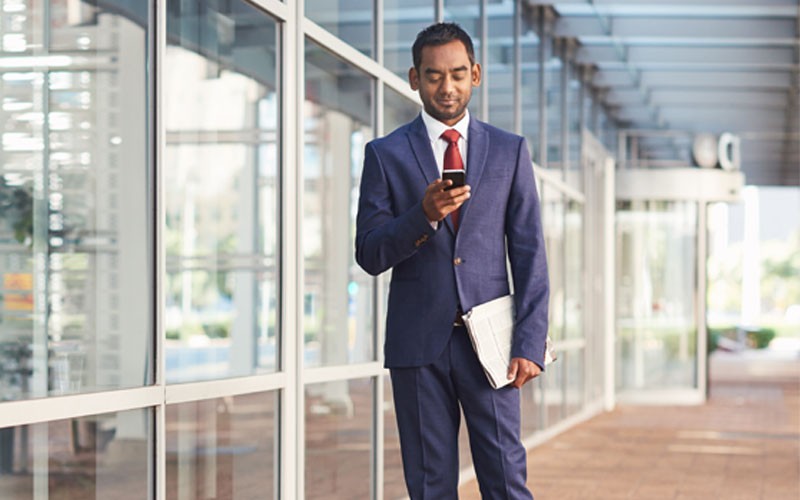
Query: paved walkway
column 743, row 444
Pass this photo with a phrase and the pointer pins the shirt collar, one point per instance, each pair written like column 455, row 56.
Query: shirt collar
column 435, row 127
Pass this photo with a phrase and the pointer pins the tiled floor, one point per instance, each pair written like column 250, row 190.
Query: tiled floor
column 743, row 444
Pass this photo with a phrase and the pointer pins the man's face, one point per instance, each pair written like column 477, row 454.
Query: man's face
column 444, row 80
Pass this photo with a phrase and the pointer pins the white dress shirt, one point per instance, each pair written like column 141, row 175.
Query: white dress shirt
column 435, row 129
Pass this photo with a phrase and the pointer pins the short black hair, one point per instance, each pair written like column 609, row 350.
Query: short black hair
column 440, row 34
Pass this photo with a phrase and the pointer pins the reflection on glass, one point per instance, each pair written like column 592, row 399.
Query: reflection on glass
column 75, row 231
column 500, row 66
column 467, row 13
column 221, row 190
column 397, row 109
column 656, row 272
column 574, row 283
column 394, row 485
column 339, row 430
column 402, row 20
column 223, row 448
column 339, row 306
column 350, row 20
column 102, row 456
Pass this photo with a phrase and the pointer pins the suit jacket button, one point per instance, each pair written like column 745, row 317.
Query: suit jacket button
column 457, row 261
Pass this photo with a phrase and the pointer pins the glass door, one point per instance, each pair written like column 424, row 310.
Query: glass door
column 657, row 317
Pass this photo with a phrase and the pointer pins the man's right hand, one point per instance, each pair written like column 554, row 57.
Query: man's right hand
column 438, row 203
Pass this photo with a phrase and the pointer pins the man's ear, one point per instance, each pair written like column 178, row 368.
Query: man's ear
column 476, row 74
column 413, row 78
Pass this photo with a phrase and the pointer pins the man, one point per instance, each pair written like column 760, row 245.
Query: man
column 447, row 250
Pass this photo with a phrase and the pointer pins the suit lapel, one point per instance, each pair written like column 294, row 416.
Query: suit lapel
column 477, row 152
column 421, row 146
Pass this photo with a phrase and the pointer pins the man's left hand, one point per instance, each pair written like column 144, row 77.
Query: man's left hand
column 522, row 370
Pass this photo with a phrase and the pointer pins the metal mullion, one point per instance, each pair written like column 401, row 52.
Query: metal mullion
column 701, row 285
column 552, row 179
column 377, row 401
column 199, row 391
column 378, row 31
column 342, row 372
column 158, row 48
column 291, row 107
column 517, row 68
column 295, row 390
column 26, row 412
column 484, row 60
column 342, row 50
column 275, row 8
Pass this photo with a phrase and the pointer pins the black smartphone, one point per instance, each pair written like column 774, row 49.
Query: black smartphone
column 459, row 178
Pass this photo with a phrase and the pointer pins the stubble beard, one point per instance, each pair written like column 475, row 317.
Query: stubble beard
column 444, row 116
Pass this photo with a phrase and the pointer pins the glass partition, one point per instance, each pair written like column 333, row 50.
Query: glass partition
column 76, row 233
column 220, row 175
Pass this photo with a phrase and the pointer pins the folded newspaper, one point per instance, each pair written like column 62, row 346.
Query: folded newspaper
column 491, row 328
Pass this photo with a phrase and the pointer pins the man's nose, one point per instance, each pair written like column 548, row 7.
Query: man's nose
column 447, row 85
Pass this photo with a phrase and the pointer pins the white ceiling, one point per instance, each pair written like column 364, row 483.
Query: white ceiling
column 700, row 66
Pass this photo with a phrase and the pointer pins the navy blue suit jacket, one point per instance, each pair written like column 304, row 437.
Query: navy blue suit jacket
column 434, row 271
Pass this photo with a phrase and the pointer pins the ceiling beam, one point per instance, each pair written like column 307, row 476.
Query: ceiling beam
column 600, row 54
column 676, row 27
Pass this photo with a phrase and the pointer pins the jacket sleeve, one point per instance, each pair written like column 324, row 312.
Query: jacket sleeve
column 383, row 238
column 526, row 252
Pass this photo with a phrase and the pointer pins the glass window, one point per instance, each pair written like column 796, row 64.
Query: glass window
column 223, row 448
column 574, row 366
column 500, row 66
column 553, row 226
column 529, row 44
column 221, row 186
column 467, row 13
column 339, row 416
column 554, row 390
column 553, row 66
column 574, row 177
column 402, row 20
column 397, row 109
column 574, row 282
column 350, row 20
column 75, row 203
column 532, row 407
column 339, row 304
column 101, row 456
column 656, row 273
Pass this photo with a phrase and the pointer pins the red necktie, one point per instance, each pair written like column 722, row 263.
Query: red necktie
column 452, row 161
